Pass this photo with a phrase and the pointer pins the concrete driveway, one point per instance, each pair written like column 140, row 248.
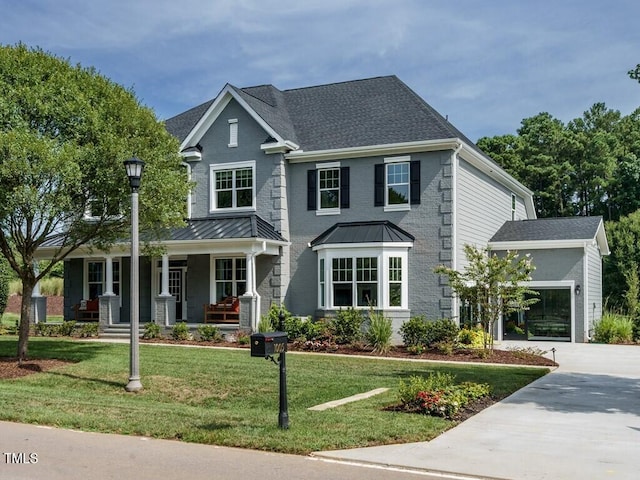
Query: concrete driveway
column 582, row 421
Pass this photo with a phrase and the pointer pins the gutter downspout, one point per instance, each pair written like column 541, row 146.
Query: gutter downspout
column 454, row 224
column 255, row 296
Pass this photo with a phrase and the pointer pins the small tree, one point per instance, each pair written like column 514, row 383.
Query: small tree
column 492, row 285
column 64, row 132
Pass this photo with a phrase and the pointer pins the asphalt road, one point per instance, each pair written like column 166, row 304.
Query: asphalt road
column 31, row 452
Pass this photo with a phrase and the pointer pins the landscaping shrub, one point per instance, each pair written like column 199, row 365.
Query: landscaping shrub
column 180, row 331
column 414, row 332
column 65, row 329
column 303, row 329
column 441, row 331
column 613, row 328
column 87, row 330
column 151, row 330
column 471, row 337
column 438, row 395
column 47, row 329
column 209, row 333
column 265, row 324
column 346, row 326
column 379, row 333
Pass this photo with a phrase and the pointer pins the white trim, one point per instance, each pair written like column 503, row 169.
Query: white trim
column 538, row 244
column 346, row 246
column 327, row 165
column 216, row 108
column 333, row 210
column 558, row 284
column 300, row 156
column 359, row 250
column 455, row 163
column 234, row 166
column 402, row 159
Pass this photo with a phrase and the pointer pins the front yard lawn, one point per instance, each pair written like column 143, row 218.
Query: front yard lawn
column 226, row 397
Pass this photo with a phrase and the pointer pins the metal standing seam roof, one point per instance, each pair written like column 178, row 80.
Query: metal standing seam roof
column 562, row 228
column 363, row 232
column 225, row 228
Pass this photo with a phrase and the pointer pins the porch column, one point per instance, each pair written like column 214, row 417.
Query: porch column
column 109, row 302
column 250, row 274
column 38, row 302
column 165, row 304
column 165, row 276
column 109, row 276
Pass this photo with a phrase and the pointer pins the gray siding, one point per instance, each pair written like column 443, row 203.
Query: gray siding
column 594, row 289
column 483, row 205
column 429, row 222
column 198, row 290
column 73, row 285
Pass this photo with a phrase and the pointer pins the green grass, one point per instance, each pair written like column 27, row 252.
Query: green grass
column 223, row 397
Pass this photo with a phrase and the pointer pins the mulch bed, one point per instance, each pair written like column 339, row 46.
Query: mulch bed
column 505, row 357
column 9, row 367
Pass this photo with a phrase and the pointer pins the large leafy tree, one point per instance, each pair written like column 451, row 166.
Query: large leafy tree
column 64, row 133
column 493, row 285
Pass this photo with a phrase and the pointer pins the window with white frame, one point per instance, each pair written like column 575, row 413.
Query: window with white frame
column 230, row 277
column 397, row 183
column 513, row 206
column 395, row 281
column 328, row 188
column 96, row 278
column 233, row 186
column 355, row 279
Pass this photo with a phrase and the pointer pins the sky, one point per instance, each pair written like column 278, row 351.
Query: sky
column 484, row 64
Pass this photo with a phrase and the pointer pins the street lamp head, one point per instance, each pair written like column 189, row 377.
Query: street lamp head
column 134, row 168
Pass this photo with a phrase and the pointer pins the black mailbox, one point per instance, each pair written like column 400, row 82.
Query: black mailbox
column 267, row 344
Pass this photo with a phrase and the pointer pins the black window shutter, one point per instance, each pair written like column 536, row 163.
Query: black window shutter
column 414, row 178
column 379, row 185
column 311, row 190
column 344, row 187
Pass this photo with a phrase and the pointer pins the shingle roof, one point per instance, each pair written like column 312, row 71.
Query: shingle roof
column 372, row 111
column 564, row 228
column 363, row 232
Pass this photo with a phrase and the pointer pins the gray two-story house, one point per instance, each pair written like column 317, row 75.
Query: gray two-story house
column 335, row 196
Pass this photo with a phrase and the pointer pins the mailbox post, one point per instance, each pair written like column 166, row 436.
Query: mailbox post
column 266, row 345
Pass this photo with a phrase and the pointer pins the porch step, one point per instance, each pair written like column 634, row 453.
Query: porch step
column 119, row 331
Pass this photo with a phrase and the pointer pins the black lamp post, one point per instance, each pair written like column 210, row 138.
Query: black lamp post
column 134, row 168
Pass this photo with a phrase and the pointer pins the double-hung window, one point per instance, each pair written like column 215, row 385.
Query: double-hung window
column 96, row 278
column 230, row 277
column 397, row 183
column 233, row 186
column 328, row 188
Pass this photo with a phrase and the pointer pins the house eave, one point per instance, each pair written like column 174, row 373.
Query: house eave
column 541, row 244
column 381, row 245
column 300, row 156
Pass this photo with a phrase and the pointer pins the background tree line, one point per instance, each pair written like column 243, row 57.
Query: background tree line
column 588, row 166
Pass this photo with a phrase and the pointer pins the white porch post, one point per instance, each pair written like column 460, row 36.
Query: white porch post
column 109, row 277
column 250, row 274
column 165, row 276
column 36, row 287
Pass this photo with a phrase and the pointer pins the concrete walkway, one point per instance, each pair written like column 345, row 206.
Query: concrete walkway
column 582, row 421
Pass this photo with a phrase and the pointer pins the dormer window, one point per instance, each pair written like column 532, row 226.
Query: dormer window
column 233, row 132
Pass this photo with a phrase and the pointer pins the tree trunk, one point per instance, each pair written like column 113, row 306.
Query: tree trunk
column 25, row 320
